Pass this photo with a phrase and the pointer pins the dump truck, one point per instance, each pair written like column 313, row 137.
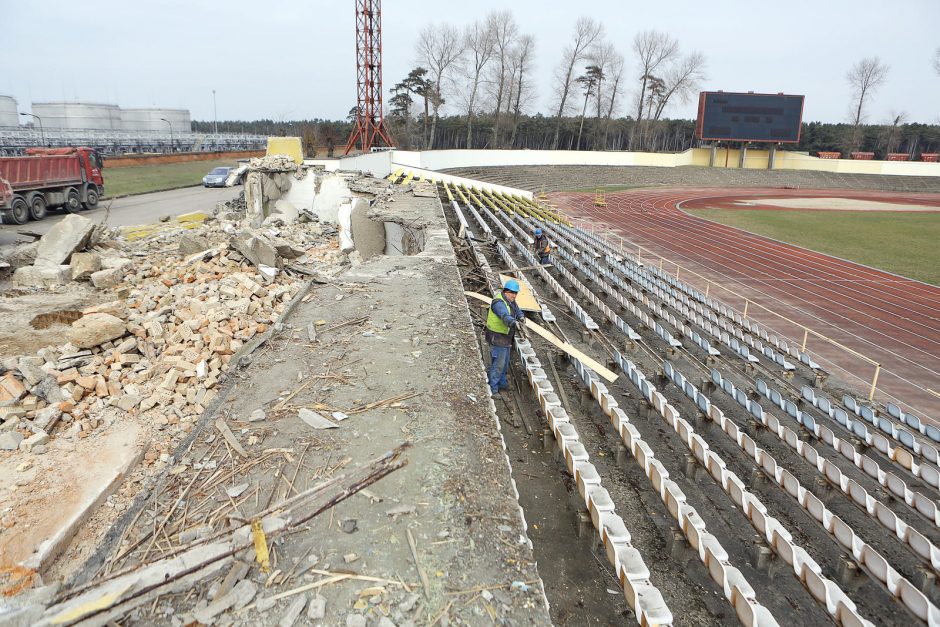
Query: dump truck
column 49, row 178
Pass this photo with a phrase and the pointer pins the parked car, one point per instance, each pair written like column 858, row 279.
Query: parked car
column 216, row 178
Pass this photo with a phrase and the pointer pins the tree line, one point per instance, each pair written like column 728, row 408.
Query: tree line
column 473, row 88
column 537, row 132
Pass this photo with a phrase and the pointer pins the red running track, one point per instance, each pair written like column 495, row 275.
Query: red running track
column 891, row 319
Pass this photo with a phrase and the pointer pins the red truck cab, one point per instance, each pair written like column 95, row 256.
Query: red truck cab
column 70, row 178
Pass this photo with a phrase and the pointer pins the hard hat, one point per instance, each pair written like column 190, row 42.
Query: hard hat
column 512, row 285
column 538, row 231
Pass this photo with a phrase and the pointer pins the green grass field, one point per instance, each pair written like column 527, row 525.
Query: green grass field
column 153, row 178
column 903, row 243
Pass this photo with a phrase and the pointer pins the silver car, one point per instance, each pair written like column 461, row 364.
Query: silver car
column 216, row 178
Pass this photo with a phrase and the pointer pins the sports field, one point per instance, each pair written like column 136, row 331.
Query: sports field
column 906, row 243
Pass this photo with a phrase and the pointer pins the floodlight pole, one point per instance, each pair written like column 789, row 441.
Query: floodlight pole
column 215, row 113
column 42, row 133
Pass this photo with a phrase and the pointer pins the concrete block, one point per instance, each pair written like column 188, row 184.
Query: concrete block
column 10, row 440
column 190, row 244
column 95, row 329
column 42, row 276
column 256, row 248
column 67, row 236
column 37, row 439
column 84, row 265
column 103, row 279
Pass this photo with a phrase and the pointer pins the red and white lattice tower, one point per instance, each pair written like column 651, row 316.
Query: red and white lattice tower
column 370, row 129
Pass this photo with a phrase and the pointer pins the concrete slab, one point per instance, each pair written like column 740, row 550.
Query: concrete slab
column 63, row 492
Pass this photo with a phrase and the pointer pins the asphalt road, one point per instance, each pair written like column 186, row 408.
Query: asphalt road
column 142, row 209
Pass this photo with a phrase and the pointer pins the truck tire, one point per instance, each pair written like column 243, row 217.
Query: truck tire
column 18, row 213
column 73, row 200
column 37, row 207
column 91, row 198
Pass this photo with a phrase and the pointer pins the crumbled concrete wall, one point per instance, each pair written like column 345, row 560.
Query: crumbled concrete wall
column 368, row 235
column 333, row 190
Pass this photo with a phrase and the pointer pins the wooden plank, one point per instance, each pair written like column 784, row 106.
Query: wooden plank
column 557, row 343
column 525, row 299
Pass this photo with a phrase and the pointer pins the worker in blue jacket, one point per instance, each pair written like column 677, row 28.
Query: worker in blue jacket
column 502, row 321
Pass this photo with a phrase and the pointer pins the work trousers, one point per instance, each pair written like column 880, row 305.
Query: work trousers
column 499, row 365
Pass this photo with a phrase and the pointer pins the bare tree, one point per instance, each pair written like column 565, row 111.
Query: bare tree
column 478, row 52
column 652, row 49
column 522, row 62
column 439, row 48
column 936, row 61
column 601, row 55
column 865, row 78
column 615, row 76
column 681, row 81
column 586, row 32
column 505, row 30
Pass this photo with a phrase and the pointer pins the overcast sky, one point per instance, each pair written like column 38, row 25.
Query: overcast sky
column 294, row 59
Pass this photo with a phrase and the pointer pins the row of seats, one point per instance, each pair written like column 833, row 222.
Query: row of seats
column 709, row 550
column 598, row 390
column 480, row 257
column 927, row 472
column 920, row 503
column 720, row 328
column 901, row 588
column 906, row 534
column 737, row 590
column 643, row 597
column 837, row 603
column 634, row 576
column 870, row 415
column 708, row 307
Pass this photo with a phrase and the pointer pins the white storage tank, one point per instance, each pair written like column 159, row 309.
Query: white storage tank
column 78, row 115
column 152, row 120
column 8, row 113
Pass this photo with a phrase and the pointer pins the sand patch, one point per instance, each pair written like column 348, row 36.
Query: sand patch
column 836, row 204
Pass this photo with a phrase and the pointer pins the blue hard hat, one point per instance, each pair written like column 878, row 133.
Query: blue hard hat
column 512, row 285
column 538, row 231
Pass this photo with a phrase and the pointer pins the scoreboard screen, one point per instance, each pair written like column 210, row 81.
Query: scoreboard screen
column 725, row 116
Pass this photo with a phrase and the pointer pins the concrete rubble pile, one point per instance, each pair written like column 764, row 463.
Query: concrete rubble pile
column 187, row 302
column 59, row 257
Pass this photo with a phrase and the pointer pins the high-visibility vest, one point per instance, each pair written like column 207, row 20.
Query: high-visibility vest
column 547, row 248
column 493, row 322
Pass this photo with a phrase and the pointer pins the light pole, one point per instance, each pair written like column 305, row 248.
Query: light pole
column 171, row 133
column 215, row 113
column 42, row 133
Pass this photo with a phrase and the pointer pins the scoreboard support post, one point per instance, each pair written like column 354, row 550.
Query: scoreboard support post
column 713, row 156
column 772, row 157
column 742, row 155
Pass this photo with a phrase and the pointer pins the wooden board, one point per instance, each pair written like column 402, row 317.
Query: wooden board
column 547, row 335
column 525, row 299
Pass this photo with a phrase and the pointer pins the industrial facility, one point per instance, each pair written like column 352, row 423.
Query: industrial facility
column 109, row 129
